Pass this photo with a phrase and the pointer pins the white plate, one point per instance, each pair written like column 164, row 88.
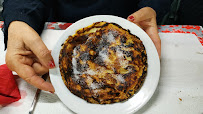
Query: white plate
column 131, row 105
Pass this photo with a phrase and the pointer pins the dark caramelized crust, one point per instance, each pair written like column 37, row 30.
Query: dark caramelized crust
column 103, row 63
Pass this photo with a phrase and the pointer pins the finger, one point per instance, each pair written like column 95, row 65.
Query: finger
column 40, row 50
column 12, row 59
column 27, row 73
column 39, row 69
column 153, row 34
column 143, row 14
column 145, row 18
column 24, row 59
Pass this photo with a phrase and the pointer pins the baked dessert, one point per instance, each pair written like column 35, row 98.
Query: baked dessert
column 103, row 63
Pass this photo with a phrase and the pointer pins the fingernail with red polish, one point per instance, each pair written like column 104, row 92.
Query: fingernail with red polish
column 51, row 92
column 51, row 64
column 131, row 18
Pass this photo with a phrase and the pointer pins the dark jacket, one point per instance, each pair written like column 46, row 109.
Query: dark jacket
column 36, row 12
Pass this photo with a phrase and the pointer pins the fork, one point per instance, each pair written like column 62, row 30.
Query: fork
column 37, row 95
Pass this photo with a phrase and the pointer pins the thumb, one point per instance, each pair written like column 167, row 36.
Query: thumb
column 143, row 14
column 37, row 46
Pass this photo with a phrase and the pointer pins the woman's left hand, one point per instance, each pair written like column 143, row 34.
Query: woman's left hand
column 146, row 19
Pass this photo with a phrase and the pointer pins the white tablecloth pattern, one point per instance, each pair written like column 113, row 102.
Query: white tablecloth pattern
column 180, row 89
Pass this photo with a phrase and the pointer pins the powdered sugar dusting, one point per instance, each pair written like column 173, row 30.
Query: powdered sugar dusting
column 94, row 86
column 90, row 72
column 110, row 37
column 103, row 54
column 74, row 63
column 119, row 53
column 95, row 91
column 124, row 63
column 120, row 78
column 76, row 73
column 74, row 52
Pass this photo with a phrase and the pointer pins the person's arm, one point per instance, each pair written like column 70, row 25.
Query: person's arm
column 32, row 12
column 26, row 54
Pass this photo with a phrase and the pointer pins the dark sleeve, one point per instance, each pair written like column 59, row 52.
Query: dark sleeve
column 32, row 12
column 190, row 13
column 161, row 7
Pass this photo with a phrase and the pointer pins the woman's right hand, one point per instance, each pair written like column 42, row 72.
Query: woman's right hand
column 28, row 56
